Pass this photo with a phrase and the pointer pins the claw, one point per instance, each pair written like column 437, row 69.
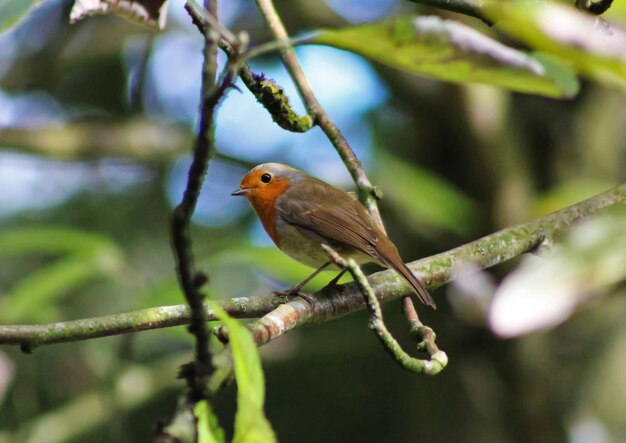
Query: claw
column 296, row 292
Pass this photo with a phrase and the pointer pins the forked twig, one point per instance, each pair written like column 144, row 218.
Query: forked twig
column 437, row 359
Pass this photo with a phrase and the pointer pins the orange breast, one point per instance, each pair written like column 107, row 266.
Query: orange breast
column 267, row 214
column 264, row 203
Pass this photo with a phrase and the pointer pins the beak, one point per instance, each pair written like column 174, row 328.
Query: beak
column 240, row 191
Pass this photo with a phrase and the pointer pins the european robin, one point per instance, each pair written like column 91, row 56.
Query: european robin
column 300, row 213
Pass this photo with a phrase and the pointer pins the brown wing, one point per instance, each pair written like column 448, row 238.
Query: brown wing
column 331, row 216
column 328, row 215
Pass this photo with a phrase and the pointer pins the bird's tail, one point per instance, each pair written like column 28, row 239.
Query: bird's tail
column 394, row 261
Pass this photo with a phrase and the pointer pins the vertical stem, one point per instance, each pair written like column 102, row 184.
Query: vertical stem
column 190, row 279
column 367, row 192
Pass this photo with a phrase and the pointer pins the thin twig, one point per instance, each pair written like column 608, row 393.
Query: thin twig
column 368, row 194
column 273, row 46
column 266, row 91
column 422, row 334
column 209, row 22
column 190, row 279
column 437, row 359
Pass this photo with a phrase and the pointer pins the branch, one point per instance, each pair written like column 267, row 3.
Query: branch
column 208, row 23
column 273, row 98
column 424, row 335
column 280, row 317
column 31, row 336
column 190, row 279
column 368, row 194
column 267, row 92
column 437, row 359
column 433, row 272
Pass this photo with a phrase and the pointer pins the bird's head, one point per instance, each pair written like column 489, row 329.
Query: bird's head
column 268, row 181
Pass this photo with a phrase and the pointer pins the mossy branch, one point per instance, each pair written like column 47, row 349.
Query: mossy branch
column 30, row 337
column 272, row 96
column 267, row 92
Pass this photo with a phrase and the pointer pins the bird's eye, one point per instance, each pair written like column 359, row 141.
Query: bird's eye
column 266, row 178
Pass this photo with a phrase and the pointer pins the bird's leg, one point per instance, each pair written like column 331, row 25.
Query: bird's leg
column 295, row 291
column 334, row 281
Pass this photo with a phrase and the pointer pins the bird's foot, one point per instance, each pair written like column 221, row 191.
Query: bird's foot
column 335, row 281
column 295, row 292
column 330, row 286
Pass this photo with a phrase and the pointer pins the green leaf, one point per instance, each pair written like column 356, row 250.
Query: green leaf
column 592, row 46
column 566, row 194
column 87, row 412
column 84, row 257
column 424, row 198
column 47, row 240
column 251, row 426
column 451, row 51
column 12, row 11
column 30, row 297
column 209, row 430
column 617, row 11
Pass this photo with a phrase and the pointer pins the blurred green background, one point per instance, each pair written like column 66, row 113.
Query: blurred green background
column 96, row 122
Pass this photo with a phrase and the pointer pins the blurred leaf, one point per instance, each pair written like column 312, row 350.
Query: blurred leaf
column 593, row 46
column 566, row 194
column 150, row 13
column 425, row 198
column 617, row 11
column 470, row 293
column 209, row 430
column 251, row 426
column 7, row 374
column 545, row 291
column 163, row 292
column 132, row 388
column 451, row 51
column 46, row 240
column 28, row 299
column 12, row 11
column 85, row 257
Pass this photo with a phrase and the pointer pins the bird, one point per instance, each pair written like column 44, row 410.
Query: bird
column 301, row 213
